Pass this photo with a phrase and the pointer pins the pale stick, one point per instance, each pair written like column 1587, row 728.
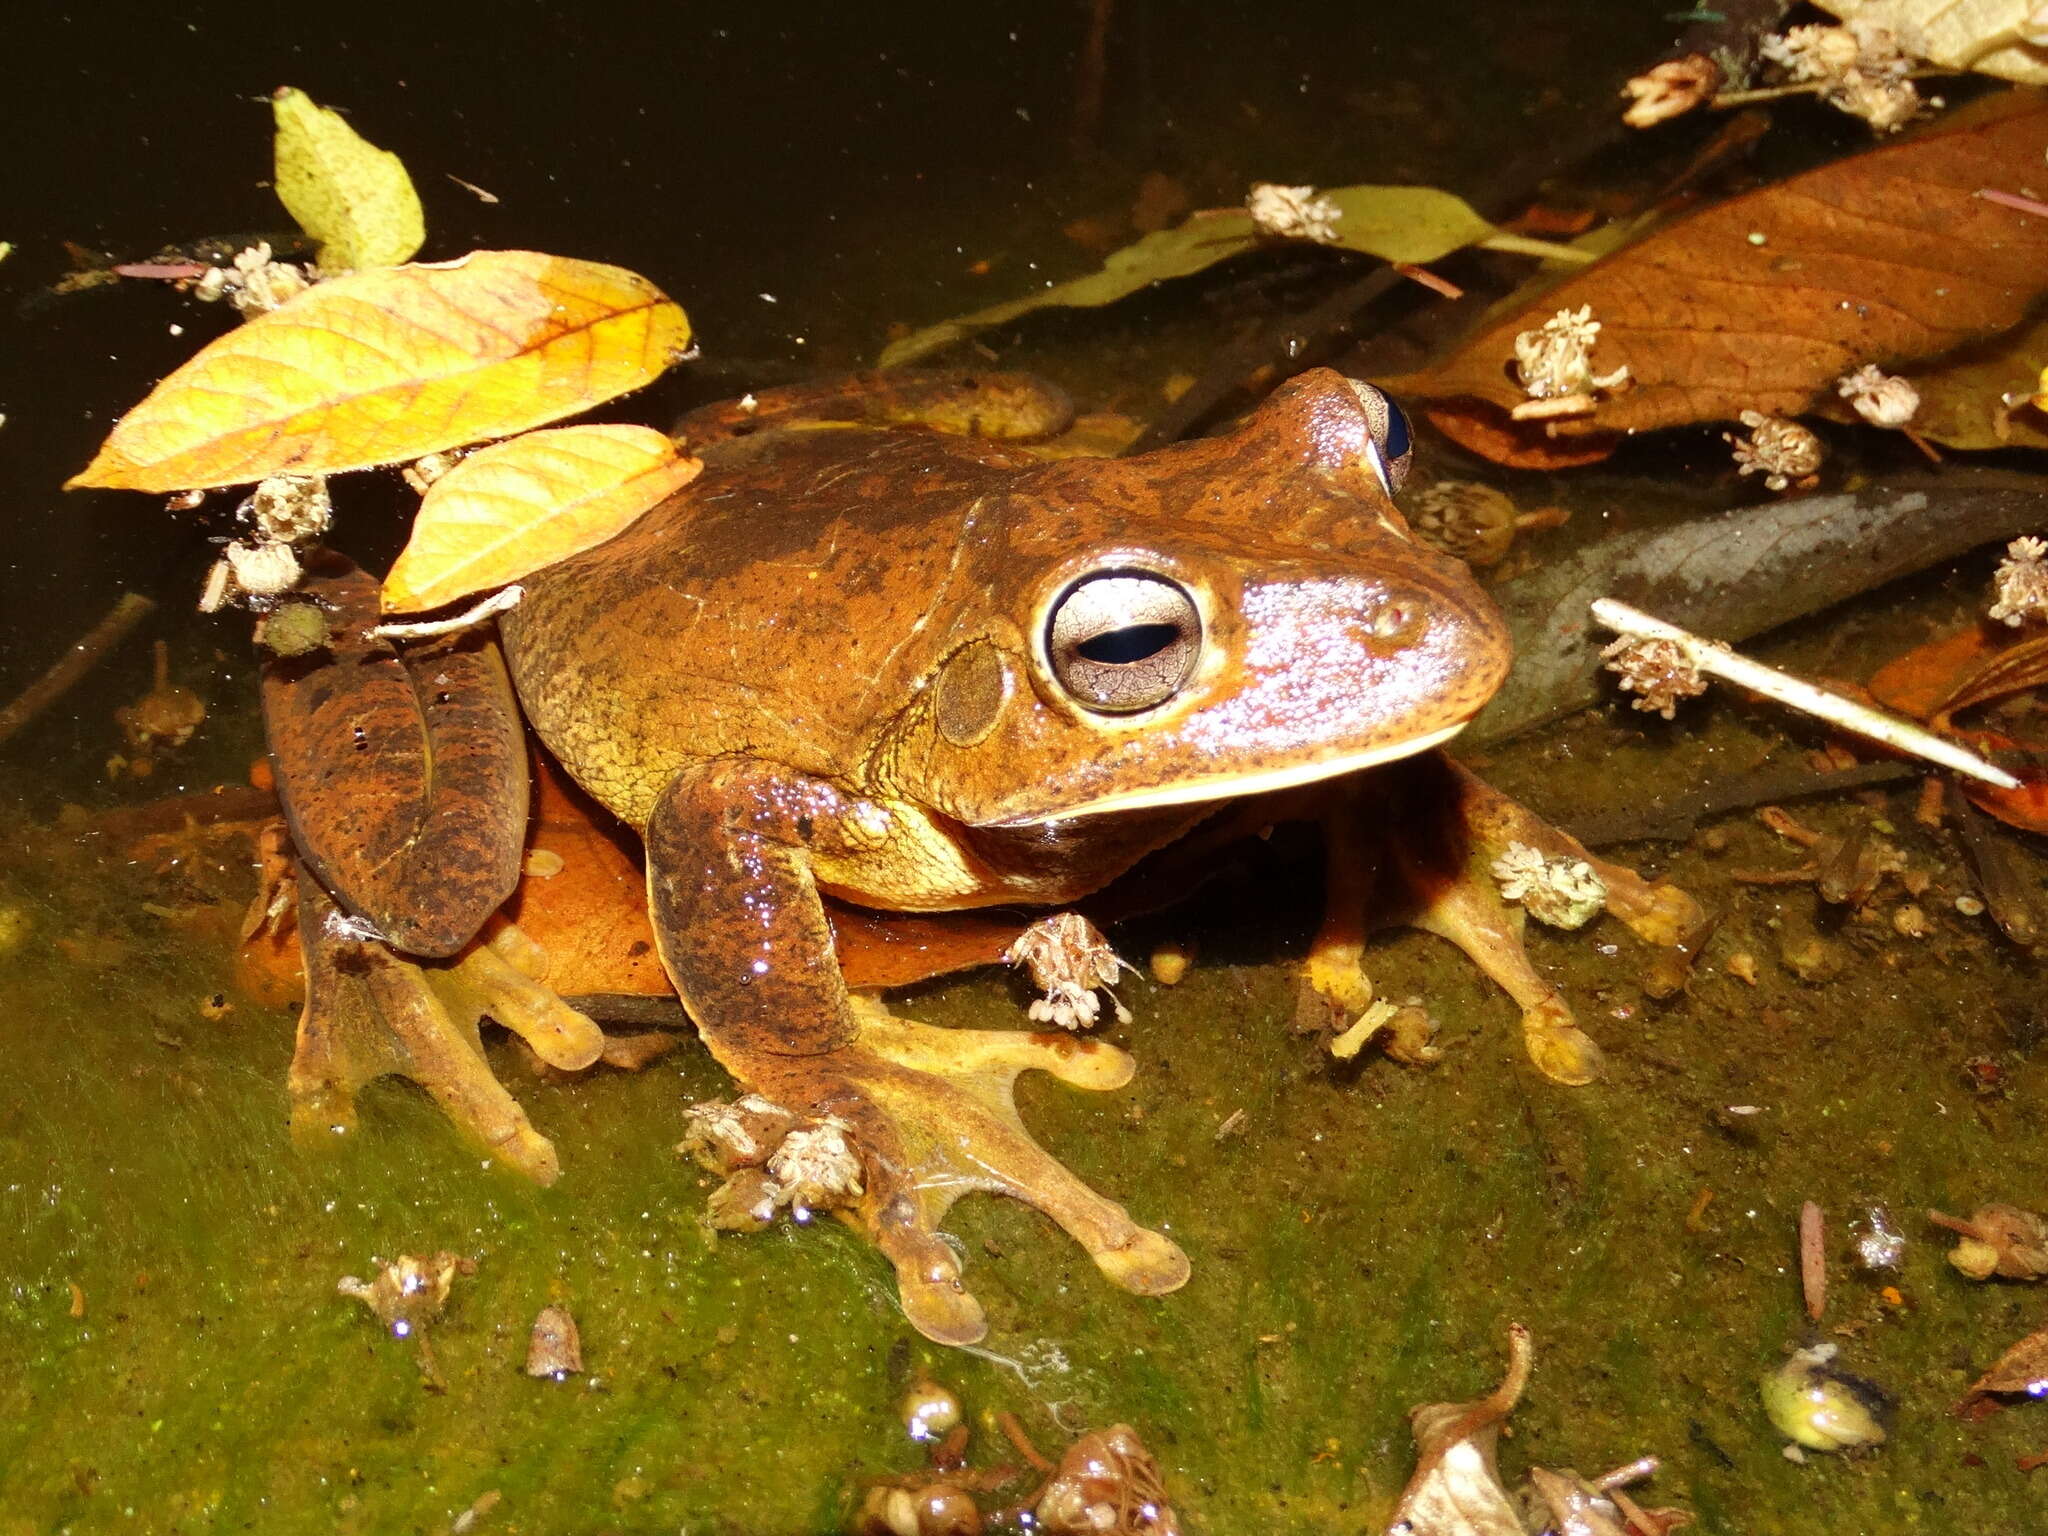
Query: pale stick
column 1712, row 657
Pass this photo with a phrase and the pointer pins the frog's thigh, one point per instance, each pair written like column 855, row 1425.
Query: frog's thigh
column 930, row 1111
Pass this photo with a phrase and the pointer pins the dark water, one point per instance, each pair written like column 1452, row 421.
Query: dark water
column 1362, row 1244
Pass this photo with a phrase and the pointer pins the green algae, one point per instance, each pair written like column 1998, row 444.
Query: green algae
column 1360, row 1241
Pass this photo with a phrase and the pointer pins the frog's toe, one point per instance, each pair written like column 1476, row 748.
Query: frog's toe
column 371, row 1013
column 500, row 978
column 1562, row 1051
column 928, row 1115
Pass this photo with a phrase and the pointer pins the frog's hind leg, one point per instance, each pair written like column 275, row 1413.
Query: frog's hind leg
column 1450, row 878
column 372, row 1013
column 885, row 1120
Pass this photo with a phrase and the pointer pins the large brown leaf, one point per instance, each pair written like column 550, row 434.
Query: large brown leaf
column 1761, row 303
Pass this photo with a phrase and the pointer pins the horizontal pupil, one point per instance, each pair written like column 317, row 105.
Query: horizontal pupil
column 1134, row 642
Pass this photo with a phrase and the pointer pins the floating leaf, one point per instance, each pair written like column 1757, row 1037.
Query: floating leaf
column 1409, row 224
column 1982, row 35
column 1761, row 303
column 510, row 509
column 387, row 365
column 353, row 198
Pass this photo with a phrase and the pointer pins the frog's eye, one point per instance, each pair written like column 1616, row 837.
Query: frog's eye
column 1120, row 641
column 1388, row 445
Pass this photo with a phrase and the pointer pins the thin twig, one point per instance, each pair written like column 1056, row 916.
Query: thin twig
column 1712, row 657
column 111, row 630
column 425, row 629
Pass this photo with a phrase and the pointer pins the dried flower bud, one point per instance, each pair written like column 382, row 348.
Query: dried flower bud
column 1661, row 671
column 555, row 1347
column 1878, row 397
column 1070, row 961
column 263, row 569
column 1293, row 213
column 290, row 509
column 1464, row 518
column 1785, row 453
column 2022, row 582
column 1562, row 891
column 1675, row 86
column 1556, row 359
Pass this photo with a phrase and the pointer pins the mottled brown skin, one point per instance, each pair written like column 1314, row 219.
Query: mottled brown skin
column 819, row 668
column 402, row 774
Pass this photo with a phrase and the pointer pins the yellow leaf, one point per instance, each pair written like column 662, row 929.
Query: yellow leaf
column 1990, row 37
column 390, row 364
column 508, row 510
column 355, row 199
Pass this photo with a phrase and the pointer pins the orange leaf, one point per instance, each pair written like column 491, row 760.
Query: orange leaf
column 382, row 366
column 512, row 508
column 1761, row 303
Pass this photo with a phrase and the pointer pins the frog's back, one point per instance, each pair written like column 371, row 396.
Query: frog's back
column 762, row 609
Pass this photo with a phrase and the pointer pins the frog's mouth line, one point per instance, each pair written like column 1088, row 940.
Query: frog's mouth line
column 1231, row 786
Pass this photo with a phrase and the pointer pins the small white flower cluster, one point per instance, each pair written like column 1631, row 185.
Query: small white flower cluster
column 2022, row 582
column 1293, row 213
column 1660, row 671
column 284, row 511
column 1879, row 398
column 1070, row 961
column 1563, row 892
column 1675, row 86
column 1861, row 67
column 774, row 1160
column 1785, row 453
column 254, row 284
column 1554, row 362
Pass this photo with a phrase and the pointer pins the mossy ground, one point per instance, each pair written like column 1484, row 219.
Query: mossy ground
column 1360, row 1242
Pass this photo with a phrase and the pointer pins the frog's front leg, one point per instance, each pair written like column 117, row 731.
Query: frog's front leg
column 735, row 853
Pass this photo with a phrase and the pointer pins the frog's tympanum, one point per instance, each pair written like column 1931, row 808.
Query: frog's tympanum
column 925, row 673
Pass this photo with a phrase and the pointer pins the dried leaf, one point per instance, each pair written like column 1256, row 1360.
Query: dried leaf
column 1455, row 1489
column 2021, row 1371
column 510, row 509
column 387, row 365
column 1406, row 224
column 1761, row 303
column 353, row 198
column 1981, row 35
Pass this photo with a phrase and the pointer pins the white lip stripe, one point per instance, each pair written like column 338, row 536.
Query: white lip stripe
column 1228, row 786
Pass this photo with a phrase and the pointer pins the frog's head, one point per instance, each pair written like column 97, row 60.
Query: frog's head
column 1228, row 617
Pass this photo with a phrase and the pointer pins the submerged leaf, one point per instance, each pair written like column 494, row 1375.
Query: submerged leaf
column 1405, row 224
column 1763, row 302
column 510, row 509
column 391, row 364
column 353, row 198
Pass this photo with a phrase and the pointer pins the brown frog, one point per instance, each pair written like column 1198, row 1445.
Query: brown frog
column 925, row 673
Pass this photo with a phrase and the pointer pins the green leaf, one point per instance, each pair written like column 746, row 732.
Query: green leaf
column 1198, row 242
column 1406, row 224
column 355, row 199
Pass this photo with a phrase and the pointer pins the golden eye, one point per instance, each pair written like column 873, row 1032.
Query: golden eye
column 1122, row 641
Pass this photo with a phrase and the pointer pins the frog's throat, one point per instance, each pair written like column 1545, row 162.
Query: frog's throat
column 1230, row 786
